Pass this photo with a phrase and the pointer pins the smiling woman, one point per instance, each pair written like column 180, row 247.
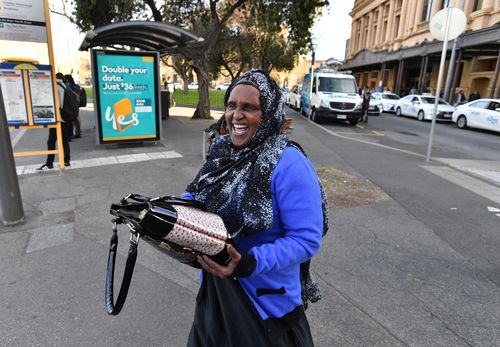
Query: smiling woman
column 243, row 114
column 258, row 297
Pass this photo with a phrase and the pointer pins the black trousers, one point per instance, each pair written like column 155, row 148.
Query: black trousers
column 225, row 317
column 51, row 144
column 74, row 128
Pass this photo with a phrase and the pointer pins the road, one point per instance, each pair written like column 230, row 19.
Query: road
column 410, row 134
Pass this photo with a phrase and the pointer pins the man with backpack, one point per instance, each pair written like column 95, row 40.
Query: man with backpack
column 74, row 129
column 69, row 103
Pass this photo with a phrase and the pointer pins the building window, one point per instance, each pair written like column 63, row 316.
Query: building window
column 399, row 4
column 478, row 4
column 384, row 31
column 445, row 3
column 426, row 12
column 396, row 26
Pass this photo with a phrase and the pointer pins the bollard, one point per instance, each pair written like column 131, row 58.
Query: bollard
column 11, row 205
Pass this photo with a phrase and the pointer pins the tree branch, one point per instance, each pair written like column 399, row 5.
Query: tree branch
column 231, row 10
column 64, row 12
column 156, row 13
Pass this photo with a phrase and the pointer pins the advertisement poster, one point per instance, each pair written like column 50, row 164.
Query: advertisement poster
column 127, row 95
column 42, row 96
column 11, row 82
column 22, row 20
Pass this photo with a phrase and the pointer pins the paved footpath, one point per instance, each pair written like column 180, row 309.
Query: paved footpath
column 383, row 285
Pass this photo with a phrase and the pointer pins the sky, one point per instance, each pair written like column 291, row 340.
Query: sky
column 330, row 33
column 332, row 30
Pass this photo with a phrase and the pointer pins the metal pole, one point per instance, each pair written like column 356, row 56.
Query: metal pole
column 451, row 66
column 456, row 72
column 452, row 62
column 11, row 204
column 311, row 86
column 440, row 78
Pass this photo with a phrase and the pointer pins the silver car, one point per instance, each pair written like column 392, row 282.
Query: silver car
column 387, row 99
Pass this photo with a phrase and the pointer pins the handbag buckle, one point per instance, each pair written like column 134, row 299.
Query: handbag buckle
column 134, row 238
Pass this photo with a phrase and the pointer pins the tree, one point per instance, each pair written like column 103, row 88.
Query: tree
column 209, row 19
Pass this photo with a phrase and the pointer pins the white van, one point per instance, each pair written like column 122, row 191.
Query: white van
column 334, row 95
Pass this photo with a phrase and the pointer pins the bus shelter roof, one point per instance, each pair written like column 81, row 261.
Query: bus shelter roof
column 145, row 35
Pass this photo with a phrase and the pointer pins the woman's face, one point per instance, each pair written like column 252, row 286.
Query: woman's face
column 243, row 114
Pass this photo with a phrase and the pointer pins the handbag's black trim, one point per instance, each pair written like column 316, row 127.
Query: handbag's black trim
column 115, row 308
column 267, row 291
column 246, row 265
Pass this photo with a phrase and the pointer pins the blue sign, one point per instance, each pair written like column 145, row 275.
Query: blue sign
column 127, row 88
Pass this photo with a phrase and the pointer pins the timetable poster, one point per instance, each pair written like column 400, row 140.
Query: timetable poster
column 127, row 95
column 14, row 99
column 42, row 96
column 23, row 20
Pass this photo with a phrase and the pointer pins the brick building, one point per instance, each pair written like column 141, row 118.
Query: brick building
column 391, row 42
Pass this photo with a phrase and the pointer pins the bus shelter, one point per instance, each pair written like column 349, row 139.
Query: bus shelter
column 125, row 60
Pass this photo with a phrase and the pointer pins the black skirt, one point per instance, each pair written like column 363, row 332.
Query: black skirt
column 225, row 316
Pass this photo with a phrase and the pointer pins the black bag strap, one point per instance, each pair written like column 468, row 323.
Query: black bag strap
column 115, row 308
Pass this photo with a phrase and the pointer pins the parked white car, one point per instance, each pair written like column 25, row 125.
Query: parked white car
column 193, row 85
column 387, row 99
column 223, row 86
column 294, row 97
column 482, row 114
column 375, row 107
column 422, row 107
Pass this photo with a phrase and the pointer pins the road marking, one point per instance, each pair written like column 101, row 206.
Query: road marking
column 367, row 142
column 475, row 185
column 360, row 126
column 112, row 160
column 373, row 133
column 493, row 209
column 378, row 133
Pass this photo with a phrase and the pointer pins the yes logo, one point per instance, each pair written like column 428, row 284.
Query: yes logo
column 123, row 116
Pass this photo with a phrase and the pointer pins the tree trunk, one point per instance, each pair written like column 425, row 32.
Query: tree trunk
column 203, row 107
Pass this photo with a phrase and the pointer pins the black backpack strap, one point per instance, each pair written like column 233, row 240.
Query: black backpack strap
column 115, row 308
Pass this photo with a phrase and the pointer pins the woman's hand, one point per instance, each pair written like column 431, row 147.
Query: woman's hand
column 219, row 270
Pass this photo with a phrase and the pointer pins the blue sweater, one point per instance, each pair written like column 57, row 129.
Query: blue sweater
column 274, row 284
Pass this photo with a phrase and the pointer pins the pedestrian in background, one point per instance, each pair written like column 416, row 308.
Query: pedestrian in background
column 365, row 105
column 75, row 126
column 474, row 96
column 51, row 141
column 459, row 98
column 250, row 180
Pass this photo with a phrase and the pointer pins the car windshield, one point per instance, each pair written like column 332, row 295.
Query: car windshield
column 431, row 100
column 337, row 85
column 390, row 96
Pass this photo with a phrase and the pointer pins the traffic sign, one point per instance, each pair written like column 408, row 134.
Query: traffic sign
column 456, row 26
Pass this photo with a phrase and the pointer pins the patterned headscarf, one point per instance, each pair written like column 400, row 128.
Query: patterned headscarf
column 236, row 182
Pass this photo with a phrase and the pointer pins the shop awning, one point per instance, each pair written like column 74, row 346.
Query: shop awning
column 145, row 35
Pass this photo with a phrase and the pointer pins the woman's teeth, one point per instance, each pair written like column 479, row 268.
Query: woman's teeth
column 240, row 129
